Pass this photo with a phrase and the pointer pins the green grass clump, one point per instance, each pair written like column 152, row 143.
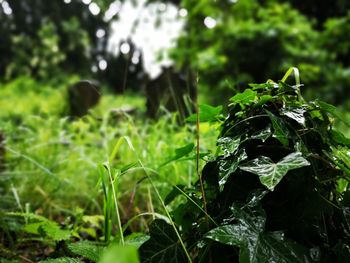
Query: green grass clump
column 52, row 163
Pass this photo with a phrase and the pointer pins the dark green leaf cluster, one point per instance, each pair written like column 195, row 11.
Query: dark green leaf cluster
column 277, row 190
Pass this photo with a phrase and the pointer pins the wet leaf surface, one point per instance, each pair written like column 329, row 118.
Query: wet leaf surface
column 271, row 173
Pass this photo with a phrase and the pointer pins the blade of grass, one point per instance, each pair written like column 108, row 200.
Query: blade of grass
column 154, row 172
column 153, row 214
column 199, row 174
column 296, row 75
column 112, row 181
column 128, row 141
column 106, row 206
column 150, row 201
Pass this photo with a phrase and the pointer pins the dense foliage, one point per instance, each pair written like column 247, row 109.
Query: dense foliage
column 73, row 192
column 90, row 178
column 42, row 39
column 277, row 191
column 50, row 181
column 232, row 43
column 244, row 43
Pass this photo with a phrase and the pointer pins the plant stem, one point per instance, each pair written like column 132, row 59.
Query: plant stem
column 199, row 174
column 116, row 204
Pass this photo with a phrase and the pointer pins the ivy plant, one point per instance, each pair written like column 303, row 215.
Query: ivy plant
column 276, row 191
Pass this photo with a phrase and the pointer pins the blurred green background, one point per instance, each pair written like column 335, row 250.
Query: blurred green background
column 228, row 43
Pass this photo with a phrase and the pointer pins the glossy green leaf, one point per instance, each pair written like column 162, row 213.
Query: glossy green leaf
column 229, row 145
column 250, row 223
column 246, row 97
column 163, row 246
column 262, row 135
column 207, row 113
column 281, row 132
column 256, row 246
column 228, row 166
column 294, row 113
column 270, row 173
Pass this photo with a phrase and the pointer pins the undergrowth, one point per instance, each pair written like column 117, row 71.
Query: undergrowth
column 51, row 186
column 276, row 189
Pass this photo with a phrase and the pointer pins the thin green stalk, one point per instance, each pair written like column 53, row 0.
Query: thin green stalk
column 116, row 203
column 192, row 201
column 154, row 215
column 159, row 197
column 173, row 185
column 37, row 164
column 199, row 174
column 168, row 215
column 106, row 205
column 150, row 202
column 296, row 77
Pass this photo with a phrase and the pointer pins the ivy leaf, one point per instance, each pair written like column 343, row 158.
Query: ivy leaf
column 244, row 98
column 207, row 113
column 163, row 246
column 229, row 166
column 262, row 135
column 281, row 133
column 229, row 145
column 270, row 173
column 250, row 223
column 296, row 114
column 256, row 246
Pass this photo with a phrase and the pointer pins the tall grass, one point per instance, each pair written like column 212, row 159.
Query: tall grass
column 52, row 162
